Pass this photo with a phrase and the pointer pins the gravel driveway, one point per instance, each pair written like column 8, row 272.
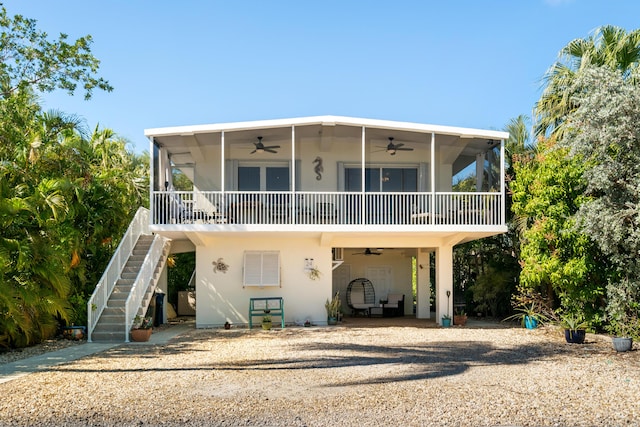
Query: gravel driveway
column 361, row 373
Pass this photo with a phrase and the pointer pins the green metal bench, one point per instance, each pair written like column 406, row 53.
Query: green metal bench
column 258, row 307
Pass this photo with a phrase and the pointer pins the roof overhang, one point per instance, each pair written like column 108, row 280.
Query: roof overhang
column 326, row 121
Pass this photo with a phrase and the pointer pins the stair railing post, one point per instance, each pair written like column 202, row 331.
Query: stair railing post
column 126, row 322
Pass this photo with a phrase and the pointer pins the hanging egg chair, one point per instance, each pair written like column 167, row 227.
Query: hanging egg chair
column 360, row 296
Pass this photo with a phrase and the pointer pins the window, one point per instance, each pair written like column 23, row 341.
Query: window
column 263, row 178
column 380, row 179
column 261, row 268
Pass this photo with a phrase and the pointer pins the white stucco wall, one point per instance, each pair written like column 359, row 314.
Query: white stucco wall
column 221, row 296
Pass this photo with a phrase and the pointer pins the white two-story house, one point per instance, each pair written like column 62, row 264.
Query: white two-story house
column 350, row 197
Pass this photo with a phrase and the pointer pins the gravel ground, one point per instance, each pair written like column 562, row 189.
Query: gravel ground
column 355, row 374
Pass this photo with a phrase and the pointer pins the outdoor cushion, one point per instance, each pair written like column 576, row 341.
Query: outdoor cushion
column 357, row 300
column 394, row 299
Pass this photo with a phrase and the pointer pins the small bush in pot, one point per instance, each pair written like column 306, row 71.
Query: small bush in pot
column 446, row 321
column 141, row 329
column 333, row 309
column 624, row 329
column 575, row 327
column 460, row 318
column 266, row 320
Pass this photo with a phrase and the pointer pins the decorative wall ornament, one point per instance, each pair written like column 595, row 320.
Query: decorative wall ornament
column 314, row 273
column 220, row 265
column 318, row 169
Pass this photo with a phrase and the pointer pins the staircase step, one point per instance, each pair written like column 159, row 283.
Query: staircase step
column 112, row 311
column 109, row 327
column 108, row 337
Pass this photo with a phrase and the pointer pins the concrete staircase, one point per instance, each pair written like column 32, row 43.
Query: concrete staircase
column 111, row 324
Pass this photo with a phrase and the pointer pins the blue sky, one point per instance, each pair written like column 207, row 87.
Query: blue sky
column 461, row 63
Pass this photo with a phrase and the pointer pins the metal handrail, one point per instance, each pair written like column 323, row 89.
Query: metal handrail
column 98, row 301
column 143, row 281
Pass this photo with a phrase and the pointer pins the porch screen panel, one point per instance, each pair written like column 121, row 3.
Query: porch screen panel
column 261, row 268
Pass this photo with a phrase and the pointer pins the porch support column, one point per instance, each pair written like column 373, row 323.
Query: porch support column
column 363, row 202
column 503, row 218
column 293, row 205
column 222, row 171
column 480, row 157
column 423, row 288
column 444, row 281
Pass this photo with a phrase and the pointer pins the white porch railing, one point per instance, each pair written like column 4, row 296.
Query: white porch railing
column 144, row 279
column 98, row 301
column 238, row 207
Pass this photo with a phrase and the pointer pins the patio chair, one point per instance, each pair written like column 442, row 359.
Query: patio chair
column 395, row 304
column 360, row 296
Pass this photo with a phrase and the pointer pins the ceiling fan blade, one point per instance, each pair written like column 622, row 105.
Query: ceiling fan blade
column 405, row 149
column 253, row 151
column 272, row 146
column 269, row 150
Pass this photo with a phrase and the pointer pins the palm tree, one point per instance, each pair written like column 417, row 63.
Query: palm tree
column 608, row 46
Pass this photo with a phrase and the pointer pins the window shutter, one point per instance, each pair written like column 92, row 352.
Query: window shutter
column 261, row 268
column 271, row 269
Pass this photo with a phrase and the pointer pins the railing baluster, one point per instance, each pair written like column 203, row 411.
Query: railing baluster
column 331, row 208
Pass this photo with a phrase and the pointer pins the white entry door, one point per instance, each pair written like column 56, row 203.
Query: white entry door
column 380, row 276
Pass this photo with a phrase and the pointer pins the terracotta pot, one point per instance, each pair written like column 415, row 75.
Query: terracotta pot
column 141, row 335
column 459, row 319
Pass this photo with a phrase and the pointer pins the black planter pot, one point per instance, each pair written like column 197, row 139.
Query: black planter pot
column 574, row 336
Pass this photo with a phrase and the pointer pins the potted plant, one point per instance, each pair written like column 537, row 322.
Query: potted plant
column 624, row 329
column 78, row 318
column 333, row 309
column 141, row 329
column 460, row 317
column 530, row 315
column 532, row 308
column 575, row 327
column 266, row 320
column 446, row 321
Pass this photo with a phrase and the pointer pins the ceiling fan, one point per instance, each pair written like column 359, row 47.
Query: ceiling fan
column 260, row 147
column 393, row 148
column 367, row 252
